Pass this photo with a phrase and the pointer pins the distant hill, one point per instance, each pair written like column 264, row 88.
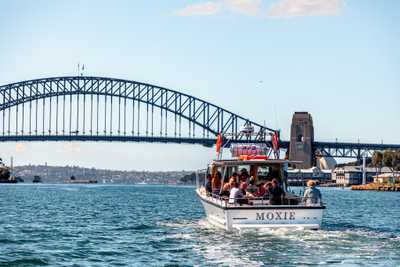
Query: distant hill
column 57, row 174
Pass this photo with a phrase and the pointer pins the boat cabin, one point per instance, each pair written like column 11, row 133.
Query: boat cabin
column 250, row 191
column 262, row 170
column 255, row 173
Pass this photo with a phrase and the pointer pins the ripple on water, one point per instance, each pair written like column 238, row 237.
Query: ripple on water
column 25, row 262
column 165, row 226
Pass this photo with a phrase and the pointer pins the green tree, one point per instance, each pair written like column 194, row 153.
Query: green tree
column 391, row 159
column 396, row 160
column 377, row 160
column 388, row 159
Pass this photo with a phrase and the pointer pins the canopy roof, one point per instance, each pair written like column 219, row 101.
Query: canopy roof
column 256, row 162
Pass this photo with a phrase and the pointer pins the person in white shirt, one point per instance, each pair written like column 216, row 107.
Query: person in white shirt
column 235, row 194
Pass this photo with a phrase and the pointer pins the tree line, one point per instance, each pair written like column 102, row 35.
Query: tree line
column 387, row 158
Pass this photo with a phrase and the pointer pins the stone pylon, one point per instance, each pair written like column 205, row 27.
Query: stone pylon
column 301, row 140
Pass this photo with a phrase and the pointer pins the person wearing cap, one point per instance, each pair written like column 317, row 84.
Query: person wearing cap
column 312, row 195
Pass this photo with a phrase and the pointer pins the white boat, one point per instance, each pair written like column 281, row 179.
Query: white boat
column 292, row 211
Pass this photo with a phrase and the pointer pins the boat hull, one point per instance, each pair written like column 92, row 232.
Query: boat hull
column 230, row 217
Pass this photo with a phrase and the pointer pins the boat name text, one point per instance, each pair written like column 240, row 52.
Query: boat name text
column 276, row 215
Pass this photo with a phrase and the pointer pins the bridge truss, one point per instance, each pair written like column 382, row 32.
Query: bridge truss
column 349, row 150
column 81, row 108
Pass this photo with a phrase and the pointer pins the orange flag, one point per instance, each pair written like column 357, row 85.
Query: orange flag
column 219, row 143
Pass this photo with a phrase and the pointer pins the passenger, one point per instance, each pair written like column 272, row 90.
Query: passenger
column 312, row 195
column 227, row 187
column 268, row 188
column 236, row 194
column 243, row 187
column 276, row 193
column 244, row 175
column 208, row 184
column 252, row 188
column 261, row 190
column 235, row 176
column 216, row 183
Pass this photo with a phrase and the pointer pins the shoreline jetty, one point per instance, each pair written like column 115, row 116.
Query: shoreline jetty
column 378, row 187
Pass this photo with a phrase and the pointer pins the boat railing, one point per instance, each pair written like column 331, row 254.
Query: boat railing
column 265, row 201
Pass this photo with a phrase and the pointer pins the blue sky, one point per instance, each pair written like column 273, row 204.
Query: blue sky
column 339, row 60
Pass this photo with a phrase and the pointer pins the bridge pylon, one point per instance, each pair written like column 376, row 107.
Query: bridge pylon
column 301, row 140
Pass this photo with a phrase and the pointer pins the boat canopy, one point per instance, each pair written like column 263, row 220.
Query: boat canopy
column 237, row 162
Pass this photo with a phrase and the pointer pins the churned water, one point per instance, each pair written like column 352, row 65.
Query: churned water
column 94, row 225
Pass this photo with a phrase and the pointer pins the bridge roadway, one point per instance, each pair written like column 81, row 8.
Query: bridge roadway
column 86, row 108
column 321, row 149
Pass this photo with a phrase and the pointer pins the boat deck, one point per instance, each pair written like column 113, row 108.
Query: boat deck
column 291, row 202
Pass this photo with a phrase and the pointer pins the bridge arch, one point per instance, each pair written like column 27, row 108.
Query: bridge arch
column 17, row 100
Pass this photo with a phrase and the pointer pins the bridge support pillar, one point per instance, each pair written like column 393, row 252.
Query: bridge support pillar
column 301, row 140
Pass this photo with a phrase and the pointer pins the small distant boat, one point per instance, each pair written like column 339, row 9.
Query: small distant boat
column 73, row 180
column 36, row 179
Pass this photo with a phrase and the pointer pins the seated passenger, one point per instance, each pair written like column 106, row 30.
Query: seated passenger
column 235, row 177
column 235, row 194
column 216, row 183
column 243, row 187
column 244, row 175
column 208, row 184
column 261, row 190
column 252, row 188
column 312, row 195
column 276, row 193
column 227, row 187
column 268, row 188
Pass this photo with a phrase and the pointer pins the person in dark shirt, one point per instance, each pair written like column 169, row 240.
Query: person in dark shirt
column 244, row 175
column 208, row 184
column 276, row 193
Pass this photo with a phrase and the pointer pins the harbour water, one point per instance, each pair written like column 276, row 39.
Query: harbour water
column 145, row 225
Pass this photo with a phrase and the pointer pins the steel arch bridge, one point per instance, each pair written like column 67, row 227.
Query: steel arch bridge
column 83, row 108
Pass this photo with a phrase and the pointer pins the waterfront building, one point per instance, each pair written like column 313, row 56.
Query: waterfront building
column 300, row 176
column 387, row 178
column 352, row 175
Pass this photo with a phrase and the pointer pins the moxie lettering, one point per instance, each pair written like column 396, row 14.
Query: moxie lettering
column 275, row 215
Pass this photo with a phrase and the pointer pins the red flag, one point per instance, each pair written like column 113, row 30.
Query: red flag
column 219, row 143
column 275, row 141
